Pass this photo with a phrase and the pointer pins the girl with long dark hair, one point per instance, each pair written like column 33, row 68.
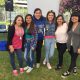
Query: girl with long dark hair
column 30, row 42
column 15, row 38
column 73, row 42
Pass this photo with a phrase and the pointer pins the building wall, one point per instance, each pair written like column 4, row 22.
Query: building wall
column 19, row 9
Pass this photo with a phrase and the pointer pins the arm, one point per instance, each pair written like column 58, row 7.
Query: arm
column 23, row 42
column 11, row 31
column 65, row 27
column 35, row 38
column 79, row 49
column 79, row 46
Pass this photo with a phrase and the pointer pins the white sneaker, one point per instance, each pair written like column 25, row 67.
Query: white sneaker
column 49, row 66
column 37, row 65
column 29, row 70
column 26, row 68
column 44, row 62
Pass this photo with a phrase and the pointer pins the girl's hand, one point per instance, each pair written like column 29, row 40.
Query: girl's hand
column 79, row 51
column 32, row 48
column 11, row 48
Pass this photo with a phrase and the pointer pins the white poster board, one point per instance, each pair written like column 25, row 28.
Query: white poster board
column 45, row 5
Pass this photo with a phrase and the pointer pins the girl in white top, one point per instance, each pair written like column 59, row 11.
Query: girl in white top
column 61, row 33
column 61, row 38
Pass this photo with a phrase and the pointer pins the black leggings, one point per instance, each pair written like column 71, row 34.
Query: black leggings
column 38, row 51
column 73, row 59
column 61, row 47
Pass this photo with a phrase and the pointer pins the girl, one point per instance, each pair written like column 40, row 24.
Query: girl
column 15, row 37
column 73, row 43
column 39, row 21
column 30, row 42
column 61, row 38
column 49, row 38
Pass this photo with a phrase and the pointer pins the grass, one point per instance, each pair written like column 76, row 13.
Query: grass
column 37, row 74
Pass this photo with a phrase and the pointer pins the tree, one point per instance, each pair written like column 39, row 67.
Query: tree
column 2, row 2
column 69, row 5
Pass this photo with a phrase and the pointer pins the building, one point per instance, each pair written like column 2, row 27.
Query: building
column 20, row 8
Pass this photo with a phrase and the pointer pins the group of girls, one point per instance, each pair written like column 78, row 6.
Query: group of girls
column 28, row 35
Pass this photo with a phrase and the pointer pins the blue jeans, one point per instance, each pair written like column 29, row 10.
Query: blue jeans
column 29, row 55
column 18, row 52
column 49, row 48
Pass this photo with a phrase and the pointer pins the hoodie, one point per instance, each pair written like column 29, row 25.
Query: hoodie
column 40, row 25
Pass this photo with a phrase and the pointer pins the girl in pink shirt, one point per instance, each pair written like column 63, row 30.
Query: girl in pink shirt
column 15, row 37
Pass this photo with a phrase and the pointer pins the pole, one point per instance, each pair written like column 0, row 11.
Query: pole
column 10, row 17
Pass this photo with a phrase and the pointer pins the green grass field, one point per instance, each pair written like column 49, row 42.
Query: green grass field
column 37, row 74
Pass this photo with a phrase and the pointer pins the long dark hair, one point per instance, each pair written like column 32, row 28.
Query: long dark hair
column 14, row 22
column 51, row 11
column 32, row 27
column 70, row 22
column 57, row 18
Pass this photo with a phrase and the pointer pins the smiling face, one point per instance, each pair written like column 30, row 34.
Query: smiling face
column 19, row 21
column 74, row 19
column 50, row 17
column 28, row 19
column 38, row 14
column 60, row 20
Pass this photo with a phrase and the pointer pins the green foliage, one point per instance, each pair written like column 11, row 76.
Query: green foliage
column 2, row 2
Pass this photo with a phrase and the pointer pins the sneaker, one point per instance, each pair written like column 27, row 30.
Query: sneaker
column 49, row 66
column 75, row 70
column 21, row 70
column 58, row 68
column 26, row 68
column 29, row 70
column 37, row 65
column 65, row 74
column 15, row 72
column 44, row 62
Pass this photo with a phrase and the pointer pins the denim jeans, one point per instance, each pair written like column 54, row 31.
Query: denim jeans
column 18, row 52
column 29, row 55
column 49, row 48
